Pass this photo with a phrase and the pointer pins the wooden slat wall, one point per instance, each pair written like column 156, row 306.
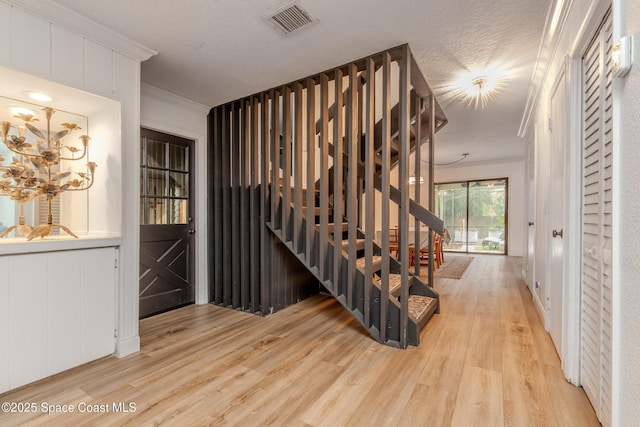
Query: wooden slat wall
column 286, row 160
column 369, row 166
column 254, row 208
column 417, row 169
column 338, row 195
column 245, row 195
column 235, row 205
column 297, row 180
column 386, row 160
column 226, row 204
column 251, row 270
column 353, row 138
column 265, row 206
column 403, row 215
column 275, row 159
column 324, row 177
column 311, row 259
column 269, row 248
column 215, row 204
column 431, row 181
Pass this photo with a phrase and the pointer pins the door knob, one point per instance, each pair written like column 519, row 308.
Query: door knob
column 555, row 233
column 530, row 223
column 192, row 231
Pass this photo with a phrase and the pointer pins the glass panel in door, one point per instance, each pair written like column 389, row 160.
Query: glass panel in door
column 486, row 227
column 451, row 207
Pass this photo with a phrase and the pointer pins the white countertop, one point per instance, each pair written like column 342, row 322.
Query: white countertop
column 15, row 245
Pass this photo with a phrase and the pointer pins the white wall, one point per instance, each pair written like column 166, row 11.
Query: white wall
column 169, row 113
column 512, row 169
column 581, row 21
column 626, row 219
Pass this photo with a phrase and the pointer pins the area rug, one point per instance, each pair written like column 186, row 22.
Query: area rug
column 453, row 267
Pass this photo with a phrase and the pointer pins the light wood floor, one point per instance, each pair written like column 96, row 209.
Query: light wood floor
column 484, row 361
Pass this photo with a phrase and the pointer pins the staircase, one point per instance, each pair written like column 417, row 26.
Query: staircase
column 422, row 301
column 298, row 173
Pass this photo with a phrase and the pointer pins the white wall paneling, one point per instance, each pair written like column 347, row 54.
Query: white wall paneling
column 28, row 320
column 63, row 317
column 30, row 43
column 5, row 33
column 98, row 271
column 4, row 320
column 98, row 68
column 67, row 57
column 60, row 312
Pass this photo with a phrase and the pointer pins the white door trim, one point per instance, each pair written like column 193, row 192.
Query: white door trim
column 573, row 208
column 558, row 132
column 200, row 146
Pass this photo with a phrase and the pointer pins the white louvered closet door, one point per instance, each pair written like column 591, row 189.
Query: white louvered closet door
column 596, row 221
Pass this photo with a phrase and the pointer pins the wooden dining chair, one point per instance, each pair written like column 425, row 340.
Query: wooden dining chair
column 424, row 256
column 438, row 253
column 393, row 241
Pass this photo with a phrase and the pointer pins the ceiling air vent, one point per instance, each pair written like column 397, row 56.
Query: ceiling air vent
column 290, row 18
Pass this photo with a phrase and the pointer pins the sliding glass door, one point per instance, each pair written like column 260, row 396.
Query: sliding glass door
column 451, row 207
column 474, row 215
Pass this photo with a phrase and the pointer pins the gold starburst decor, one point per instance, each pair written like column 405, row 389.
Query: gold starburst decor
column 478, row 88
column 40, row 159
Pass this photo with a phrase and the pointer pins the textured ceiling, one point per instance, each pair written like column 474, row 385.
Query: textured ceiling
column 213, row 51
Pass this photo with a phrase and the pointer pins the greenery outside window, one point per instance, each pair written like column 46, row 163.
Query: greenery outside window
column 474, row 214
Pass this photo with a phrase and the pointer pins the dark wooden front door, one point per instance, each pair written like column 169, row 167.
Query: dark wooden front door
column 166, row 223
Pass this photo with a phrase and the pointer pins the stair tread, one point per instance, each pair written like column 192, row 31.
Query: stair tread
column 331, row 225
column 345, row 226
column 359, row 244
column 419, row 305
column 346, row 242
column 360, row 262
column 395, row 283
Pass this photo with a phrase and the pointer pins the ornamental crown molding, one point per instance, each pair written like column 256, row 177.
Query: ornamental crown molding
column 553, row 30
column 171, row 98
column 84, row 26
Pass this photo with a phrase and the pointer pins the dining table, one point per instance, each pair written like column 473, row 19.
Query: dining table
column 411, row 238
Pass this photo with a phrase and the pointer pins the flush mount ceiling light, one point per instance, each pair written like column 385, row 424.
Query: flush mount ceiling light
column 39, row 96
column 478, row 88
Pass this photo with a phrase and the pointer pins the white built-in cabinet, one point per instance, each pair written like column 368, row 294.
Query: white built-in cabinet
column 63, row 300
column 57, row 311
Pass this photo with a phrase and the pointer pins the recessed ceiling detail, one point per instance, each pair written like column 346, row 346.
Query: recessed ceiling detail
column 290, row 18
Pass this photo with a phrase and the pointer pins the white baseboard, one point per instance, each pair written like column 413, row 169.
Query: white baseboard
column 539, row 306
column 127, row 347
